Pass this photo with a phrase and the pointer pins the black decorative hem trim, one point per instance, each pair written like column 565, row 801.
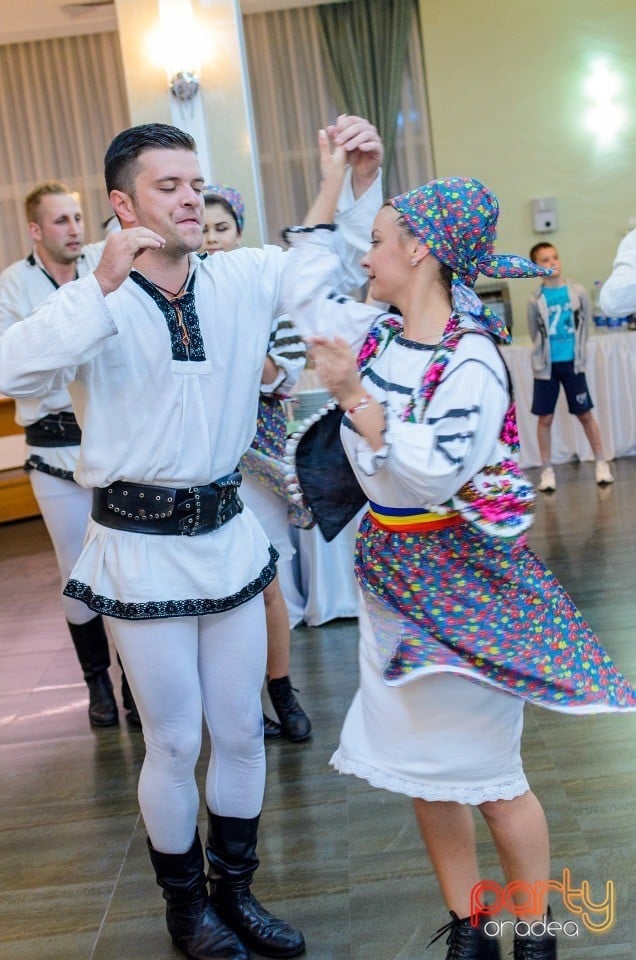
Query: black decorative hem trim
column 162, row 609
column 289, row 231
column 37, row 463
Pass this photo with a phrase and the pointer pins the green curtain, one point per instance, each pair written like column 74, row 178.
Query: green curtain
column 365, row 45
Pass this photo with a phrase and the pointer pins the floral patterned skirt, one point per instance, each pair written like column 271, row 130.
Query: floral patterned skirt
column 459, row 601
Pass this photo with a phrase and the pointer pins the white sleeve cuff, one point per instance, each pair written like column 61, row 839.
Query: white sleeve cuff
column 369, row 460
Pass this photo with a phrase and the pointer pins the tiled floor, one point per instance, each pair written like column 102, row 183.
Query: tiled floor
column 341, row 860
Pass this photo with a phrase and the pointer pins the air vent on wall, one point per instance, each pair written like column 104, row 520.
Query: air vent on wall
column 90, row 6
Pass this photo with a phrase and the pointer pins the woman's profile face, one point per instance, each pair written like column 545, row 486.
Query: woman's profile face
column 220, row 231
column 388, row 260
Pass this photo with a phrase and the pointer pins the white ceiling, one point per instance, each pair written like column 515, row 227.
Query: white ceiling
column 38, row 19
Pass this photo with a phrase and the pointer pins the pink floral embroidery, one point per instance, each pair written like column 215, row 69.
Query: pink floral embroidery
column 368, row 348
column 378, row 338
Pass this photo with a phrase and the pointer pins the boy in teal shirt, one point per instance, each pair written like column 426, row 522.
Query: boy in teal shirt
column 559, row 315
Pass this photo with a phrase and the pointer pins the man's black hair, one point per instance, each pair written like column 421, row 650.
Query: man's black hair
column 121, row 157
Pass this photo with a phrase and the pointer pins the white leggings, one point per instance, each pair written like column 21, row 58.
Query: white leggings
column 180, row 669
column 65, row 507
column 271, row 511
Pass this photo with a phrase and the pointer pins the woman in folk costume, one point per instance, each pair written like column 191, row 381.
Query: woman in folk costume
column 264, row 488
column 460, row 622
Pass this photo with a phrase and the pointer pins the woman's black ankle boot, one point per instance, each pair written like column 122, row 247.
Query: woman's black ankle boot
column 538, row 943
column 466, row 942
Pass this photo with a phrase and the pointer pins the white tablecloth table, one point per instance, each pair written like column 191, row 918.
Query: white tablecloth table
column 611, row 378
column 324, row 573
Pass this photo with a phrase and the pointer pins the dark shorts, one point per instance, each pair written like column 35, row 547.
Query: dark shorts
column 546, row 392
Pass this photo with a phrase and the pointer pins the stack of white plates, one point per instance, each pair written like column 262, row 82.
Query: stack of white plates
column 308, row 402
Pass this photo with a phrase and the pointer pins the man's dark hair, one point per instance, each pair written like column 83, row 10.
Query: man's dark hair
column 120, row 162
column 542, row 245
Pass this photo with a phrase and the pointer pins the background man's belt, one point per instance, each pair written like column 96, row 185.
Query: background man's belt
column 54, row 430
column 145, row 508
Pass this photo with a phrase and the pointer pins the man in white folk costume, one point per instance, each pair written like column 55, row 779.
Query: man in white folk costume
column 162, row 354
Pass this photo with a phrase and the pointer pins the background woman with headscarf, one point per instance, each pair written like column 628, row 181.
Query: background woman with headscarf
column 460, row 623
column 263, row 470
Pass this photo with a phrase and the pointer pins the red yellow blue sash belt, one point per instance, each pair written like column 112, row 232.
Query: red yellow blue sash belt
column 410, row 519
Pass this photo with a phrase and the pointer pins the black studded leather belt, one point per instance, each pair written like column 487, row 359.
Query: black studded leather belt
column 168, row 511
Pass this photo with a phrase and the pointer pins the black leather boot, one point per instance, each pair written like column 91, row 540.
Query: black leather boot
column 231, row 852
column 91, row 645
column 271, row 729
column 466, row 942
column 295, row 725
column 132, row 714
column 535, row 946
column 193, row 924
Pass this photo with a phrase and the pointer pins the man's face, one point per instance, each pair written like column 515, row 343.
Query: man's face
column 168, row 198
column 59, row 230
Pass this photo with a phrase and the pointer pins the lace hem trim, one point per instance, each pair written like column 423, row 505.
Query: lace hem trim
column 472, row 794
column 37, row 463
column 162, row 609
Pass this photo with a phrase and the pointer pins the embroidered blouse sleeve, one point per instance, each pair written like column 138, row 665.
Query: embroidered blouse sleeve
column 311, row 282
column 288, row 352
column 434, row 459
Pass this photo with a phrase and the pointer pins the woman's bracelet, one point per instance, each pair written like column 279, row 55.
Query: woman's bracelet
column 362, row 404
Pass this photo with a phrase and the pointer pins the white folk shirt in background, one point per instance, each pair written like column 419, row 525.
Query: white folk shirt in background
column 23, row 286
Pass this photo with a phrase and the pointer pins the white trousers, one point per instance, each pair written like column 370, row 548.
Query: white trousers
column 65, row 509
column 271, row 511
column 182, row 670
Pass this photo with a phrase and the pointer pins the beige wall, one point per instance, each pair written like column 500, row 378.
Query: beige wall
column 505, row 81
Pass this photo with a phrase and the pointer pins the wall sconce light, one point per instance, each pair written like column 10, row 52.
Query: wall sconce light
column 606, row 116
column 179, row 45
column 184, row 85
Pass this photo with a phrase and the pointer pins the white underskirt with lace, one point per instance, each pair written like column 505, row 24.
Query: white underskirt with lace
column 440, row 737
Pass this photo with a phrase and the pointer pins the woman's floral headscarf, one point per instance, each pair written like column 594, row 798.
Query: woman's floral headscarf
column 231, row 196
column 457, row 219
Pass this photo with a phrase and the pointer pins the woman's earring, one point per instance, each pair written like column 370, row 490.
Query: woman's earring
column 414, row 262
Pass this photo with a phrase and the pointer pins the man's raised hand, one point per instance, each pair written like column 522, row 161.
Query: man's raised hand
column 120, row 251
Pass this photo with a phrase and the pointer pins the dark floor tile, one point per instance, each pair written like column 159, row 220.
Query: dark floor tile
column 66, row 946
column 42, row 912
column 84, row 851
column 341, row 860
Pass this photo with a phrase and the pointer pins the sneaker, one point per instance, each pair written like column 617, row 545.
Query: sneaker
column 603, row 474
column 548, row 481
